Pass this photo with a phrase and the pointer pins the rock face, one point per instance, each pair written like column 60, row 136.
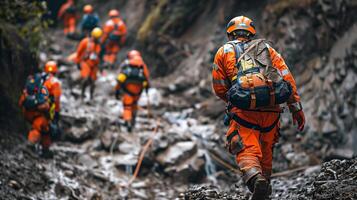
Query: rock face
column 16, row 63
column 323, row 66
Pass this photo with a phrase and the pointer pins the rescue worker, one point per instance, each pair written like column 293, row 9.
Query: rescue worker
column 90, row 20
column 88, row 59
column 129, row 55
column 132, row 79
column 53, row 85
column 68, row 14
column 113, row 38
column 253, row 131
column 35, row 106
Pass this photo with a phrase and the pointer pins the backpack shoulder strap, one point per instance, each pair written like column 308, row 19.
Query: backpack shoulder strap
column 249, row 49
column 238, row 50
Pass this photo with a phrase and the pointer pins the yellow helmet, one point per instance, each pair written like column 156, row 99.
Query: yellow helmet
column 97, row 32
column 121, row 78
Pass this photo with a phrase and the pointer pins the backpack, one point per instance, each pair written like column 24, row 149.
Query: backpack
column 115, row 34
column 34, row 90
column 90, row 22
column 257, row 84
column 71, row 9
column 134, row 74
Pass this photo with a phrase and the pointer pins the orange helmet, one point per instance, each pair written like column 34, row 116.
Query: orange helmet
column 241, row 23
column 88, row 9
column 51, row 67
column 114, row 13
column 133, row 53
column 136, row 61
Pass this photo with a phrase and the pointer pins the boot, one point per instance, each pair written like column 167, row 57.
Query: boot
column 32, row 149
column 92, row 88
column 267, row 175
column 84, row 84
column 260, row 187
column 46, row 153
column 128, row 126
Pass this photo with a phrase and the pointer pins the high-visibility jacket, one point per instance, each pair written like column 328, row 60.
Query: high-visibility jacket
column 224, row 70
column 114, row 26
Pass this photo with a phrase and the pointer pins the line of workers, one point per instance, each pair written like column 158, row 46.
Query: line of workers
column 249, row 75
column 40, row 100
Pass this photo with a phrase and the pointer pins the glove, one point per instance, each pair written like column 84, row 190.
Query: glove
column 299, row 118
column 117, row 94
column 78, row 66
column 56, row 117
column 146, row 87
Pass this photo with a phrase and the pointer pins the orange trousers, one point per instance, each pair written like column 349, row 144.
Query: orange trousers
column 40, row 132
column 257, row 153
column 69, row 22
column 131, row 97
column 130, row 104
column 89, row 70
column 111, row 51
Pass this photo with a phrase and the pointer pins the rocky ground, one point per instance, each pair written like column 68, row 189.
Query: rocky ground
column 96, row 157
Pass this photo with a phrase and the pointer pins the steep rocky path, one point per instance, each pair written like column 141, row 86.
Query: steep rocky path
column 96, row 157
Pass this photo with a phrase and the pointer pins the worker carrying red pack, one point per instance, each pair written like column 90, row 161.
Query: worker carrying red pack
column 131, row 81
column 113, row 38
column 88, row 59
column 53, row 85
column 253, row 79
column 34, row 103
column 68, row 14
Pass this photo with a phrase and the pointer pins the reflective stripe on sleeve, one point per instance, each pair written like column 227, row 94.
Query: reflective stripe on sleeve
column 285, row 72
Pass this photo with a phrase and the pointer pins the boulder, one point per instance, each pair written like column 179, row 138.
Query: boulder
column 191, row 170
column 177, row 153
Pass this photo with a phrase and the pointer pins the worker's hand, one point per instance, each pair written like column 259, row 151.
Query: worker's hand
column 299, row 118
column 146, row 85
column 78, row 66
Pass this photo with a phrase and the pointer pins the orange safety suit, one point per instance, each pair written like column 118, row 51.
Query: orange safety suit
column 53, row 86
column 39, row 119
column 68, row 15
column 88, row 57
column 132, row 92
column 111, row 47
column 255, row 156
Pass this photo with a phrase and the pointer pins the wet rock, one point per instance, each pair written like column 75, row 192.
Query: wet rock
column 107, row 139
column 329, row 128
column 63, row 191
column 202, row 192
column 191, row 170
column 177, row 153
column 298, row 159
column 79, row 134
column 87, row 161
column 125, row 162
column 14, row 184
column 129, row 147
column 96, row 196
